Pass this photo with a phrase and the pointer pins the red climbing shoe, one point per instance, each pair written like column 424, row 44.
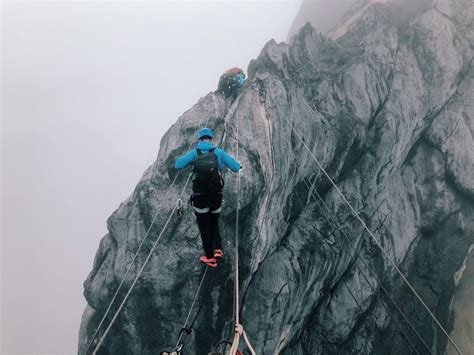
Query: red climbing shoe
column 218, row 253
column 212, row 262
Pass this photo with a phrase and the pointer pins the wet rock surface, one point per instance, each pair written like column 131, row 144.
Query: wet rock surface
column 387, row 109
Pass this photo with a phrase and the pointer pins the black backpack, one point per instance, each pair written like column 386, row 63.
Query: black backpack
column 206, row 176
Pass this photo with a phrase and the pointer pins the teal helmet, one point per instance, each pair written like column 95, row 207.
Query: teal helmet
column 205, row 132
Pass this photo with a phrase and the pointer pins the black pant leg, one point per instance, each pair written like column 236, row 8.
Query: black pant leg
column 215, row 234
column 203, row 220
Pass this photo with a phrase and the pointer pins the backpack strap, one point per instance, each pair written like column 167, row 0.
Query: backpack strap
column 199, row 151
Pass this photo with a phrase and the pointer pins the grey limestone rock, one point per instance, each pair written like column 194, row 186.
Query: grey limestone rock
column 386, row 107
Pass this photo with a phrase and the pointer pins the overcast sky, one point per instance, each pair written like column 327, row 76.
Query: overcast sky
column 88, row 89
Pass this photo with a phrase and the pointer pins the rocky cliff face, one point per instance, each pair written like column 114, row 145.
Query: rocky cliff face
column 387, row 107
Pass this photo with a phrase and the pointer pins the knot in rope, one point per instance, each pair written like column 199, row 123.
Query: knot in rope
column 238, row 329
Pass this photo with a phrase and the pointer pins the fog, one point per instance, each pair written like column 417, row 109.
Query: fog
column 88, row 89
column 324, row 15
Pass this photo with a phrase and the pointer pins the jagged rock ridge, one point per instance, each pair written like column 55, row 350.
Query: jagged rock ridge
column 387, row 109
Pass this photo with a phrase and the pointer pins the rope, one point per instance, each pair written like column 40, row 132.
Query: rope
column 238, row 328
column 192, row 306
column 237, row 209
column 141, row 270
column 135, row 257
column 340, row 228
column 357, row 216
column 328, row 215
column 235, row 342
column 130, row 267
column 391, row 316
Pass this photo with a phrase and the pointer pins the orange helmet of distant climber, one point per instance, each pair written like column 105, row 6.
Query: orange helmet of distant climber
column 234, row 71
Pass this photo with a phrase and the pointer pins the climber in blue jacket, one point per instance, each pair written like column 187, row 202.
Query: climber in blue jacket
column 231, row 82
column 208, row 164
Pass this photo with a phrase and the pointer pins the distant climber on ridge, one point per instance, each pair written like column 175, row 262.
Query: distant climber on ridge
column 208, row 162
column 230, row 82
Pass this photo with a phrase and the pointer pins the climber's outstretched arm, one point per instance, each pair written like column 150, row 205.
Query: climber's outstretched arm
column 186, row 159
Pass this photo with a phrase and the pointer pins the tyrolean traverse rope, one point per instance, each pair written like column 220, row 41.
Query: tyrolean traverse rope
column 364, row 225
column 141, row 270
column 238, row 328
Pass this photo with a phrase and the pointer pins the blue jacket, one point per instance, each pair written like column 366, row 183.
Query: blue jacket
column 240, row 78
column 223, row 159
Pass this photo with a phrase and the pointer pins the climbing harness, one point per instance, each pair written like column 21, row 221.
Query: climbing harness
column 364, row 225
